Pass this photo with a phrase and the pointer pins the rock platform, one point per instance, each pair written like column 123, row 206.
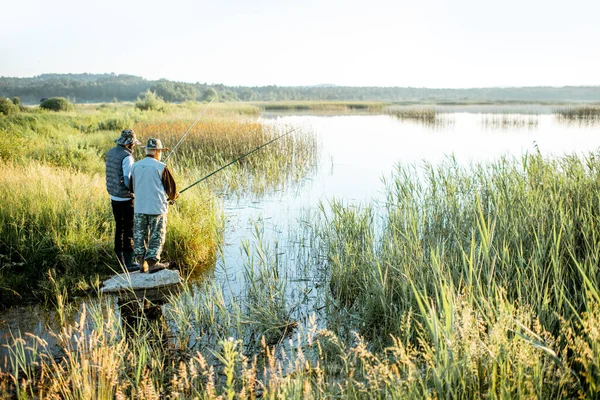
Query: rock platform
column 137, row 281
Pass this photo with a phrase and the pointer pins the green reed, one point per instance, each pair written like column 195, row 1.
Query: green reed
column 415, row 114
column 478, row 282
column 582, row 113
column 496, row 265
column 454, row 351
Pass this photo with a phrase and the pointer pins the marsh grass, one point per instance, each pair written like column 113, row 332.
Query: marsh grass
column 454, row 351
column 481, row 282
column 60, row 219
column 509, row 121
column 585, row 114
column 56, row 214
column 503, row 254
column 478, row 231
column 427, row 116
column 468, row 282
column 322, row 106
column 214, row 142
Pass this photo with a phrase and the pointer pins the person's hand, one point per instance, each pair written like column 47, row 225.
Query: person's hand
column 172, row 201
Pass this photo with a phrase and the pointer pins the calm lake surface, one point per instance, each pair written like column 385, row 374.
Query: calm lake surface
column 356, row 153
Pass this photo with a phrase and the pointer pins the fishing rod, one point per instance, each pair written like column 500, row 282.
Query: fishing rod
column 237, row 159
column 186, row 132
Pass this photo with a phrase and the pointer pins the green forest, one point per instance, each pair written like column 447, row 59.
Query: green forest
column 90, row 88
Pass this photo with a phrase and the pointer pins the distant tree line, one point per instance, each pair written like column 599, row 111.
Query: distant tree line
column 85, row 88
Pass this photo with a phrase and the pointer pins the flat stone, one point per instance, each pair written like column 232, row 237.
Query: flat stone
column 140, row 281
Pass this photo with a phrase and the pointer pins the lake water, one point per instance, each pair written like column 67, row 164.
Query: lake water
column 356, row 152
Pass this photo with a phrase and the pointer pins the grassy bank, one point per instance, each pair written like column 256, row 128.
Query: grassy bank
column 467, row 283
column 56, row 216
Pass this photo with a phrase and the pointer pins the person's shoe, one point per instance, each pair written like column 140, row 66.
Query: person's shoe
column 142, row 264
column 155, row 266
column 130, row 263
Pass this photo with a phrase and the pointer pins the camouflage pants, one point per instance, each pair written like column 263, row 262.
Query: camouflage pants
column 149, row 233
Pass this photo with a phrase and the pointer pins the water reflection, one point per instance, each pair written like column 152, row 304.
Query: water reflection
column 578, row 122
column 506, row 122
column 144, row 317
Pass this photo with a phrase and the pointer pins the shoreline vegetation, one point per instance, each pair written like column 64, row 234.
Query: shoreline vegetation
column 55, row 219
column 480, row 282
column 468, row 282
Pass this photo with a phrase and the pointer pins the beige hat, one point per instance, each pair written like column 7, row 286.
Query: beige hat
column 155, row 144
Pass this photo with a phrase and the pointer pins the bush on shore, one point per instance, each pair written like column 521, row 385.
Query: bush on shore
column 7, row 107
column 150, row 101
column 57, row 104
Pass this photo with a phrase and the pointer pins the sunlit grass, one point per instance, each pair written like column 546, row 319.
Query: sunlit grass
column 480, row 282
column 57, row 212
column 54, row 218
column 214, row 142
column 468, row 282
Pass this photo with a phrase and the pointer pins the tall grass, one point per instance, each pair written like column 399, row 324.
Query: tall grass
column 527, row 230
column 60, row 219
column 479, row 282
column 502, row 256
column 57, row 213
column 214, row 142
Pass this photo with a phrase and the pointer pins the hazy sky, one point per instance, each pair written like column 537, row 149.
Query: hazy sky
column 427, row 43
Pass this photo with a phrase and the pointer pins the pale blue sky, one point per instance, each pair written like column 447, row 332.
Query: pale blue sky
column 430, row 43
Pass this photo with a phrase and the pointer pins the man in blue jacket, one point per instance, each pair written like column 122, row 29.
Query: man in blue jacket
column 119, row 161
column 154, row 188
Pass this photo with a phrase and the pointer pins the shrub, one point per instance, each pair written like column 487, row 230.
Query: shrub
column 57, row 104
column 7, row 107
column 16, row 101
column 150, row 101
column 210, row 94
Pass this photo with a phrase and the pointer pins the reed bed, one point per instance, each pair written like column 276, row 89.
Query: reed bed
column 426, row 116
column 322, row 106
column 586, row 114
column 415, row 114
column 479, row 282
column 502, row 256
column 214, row 142
column 509, row 121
